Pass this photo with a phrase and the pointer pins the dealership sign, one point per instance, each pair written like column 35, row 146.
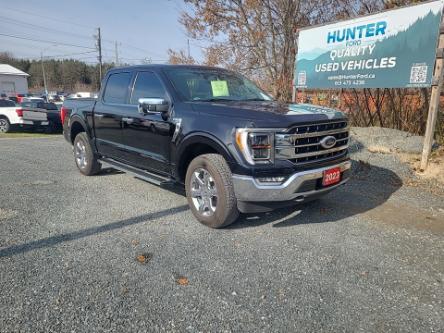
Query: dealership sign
column 391, row 49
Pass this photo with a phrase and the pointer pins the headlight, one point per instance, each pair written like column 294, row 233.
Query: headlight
column 257, row 147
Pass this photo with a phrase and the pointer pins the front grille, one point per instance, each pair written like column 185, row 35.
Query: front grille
column 321, row 127
column 302, row 144
column 321, row 157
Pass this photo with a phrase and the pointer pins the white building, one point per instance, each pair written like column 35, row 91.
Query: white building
column 12, row 80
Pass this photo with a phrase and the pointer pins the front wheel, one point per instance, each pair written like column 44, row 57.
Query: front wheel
column 5, row 126
column 210, row 192
column 84, row 156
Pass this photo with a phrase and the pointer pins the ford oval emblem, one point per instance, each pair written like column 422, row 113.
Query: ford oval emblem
column 328, row 142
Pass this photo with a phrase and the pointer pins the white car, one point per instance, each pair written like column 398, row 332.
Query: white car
column 13, row 115
column 32, row 99
column 83, row 94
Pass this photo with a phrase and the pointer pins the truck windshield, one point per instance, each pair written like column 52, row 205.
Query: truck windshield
column 208, row 85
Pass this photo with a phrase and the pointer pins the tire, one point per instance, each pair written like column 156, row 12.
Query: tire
column 5, row 125
column 210, row 192
column 84, row 156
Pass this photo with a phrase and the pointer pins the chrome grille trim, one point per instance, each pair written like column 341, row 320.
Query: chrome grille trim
column 305, row 148
column 308, row 145
column 289, row 152
column 317, row 125
column 308, row 135
column 337, row 155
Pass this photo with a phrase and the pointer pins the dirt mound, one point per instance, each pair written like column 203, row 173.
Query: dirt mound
column 401, row 148
column 386, row 140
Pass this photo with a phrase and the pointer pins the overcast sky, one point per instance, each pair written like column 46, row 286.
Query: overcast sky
column 142, row 28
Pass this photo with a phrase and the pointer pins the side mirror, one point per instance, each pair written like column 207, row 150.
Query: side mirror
column 153, row 105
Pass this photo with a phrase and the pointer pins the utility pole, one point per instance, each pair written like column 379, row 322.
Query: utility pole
column 117, row 54
column 44, row 76
column 63, row 74
column 189, row 53
column 99, row 48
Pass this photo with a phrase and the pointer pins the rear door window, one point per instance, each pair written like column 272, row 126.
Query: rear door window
column 116, row 90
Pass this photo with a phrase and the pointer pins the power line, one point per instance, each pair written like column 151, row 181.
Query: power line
column 47, row 17
column 26, row 24
column 131, row 46
column 142, row 50
column 68, row 54
column 46, row 41
column 141, row 59
column 145, row 52
column 32, row 56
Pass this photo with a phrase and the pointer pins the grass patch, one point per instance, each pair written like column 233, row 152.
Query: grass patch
column 378, row 149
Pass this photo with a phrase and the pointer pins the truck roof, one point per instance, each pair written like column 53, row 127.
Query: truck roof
column 163, row 66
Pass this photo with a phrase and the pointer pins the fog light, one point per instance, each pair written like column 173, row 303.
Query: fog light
column 271, row 180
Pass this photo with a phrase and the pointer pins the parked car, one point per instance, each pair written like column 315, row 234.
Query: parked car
column 20, row 97
column 82, row 95
column 213, row 131
column 32, row 99
column 12, row 115
column 54, row 98
column 17, row 98
column 50, row 109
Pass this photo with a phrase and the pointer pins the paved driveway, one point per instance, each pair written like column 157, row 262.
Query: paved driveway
column 112, row 253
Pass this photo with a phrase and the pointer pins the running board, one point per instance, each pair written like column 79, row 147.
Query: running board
column 137, row 173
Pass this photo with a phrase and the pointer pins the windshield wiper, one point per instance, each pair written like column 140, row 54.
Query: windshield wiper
column 256, row 100
column 215, row 100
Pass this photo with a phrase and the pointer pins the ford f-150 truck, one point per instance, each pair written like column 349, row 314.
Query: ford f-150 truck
column 230, row 144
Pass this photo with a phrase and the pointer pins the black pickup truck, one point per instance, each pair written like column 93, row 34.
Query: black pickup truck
column 213, row 131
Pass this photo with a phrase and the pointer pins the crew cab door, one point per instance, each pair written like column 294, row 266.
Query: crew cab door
column 108, row 113
column 147, row 137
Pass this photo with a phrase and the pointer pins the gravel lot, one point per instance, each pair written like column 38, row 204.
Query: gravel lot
column 112, row 253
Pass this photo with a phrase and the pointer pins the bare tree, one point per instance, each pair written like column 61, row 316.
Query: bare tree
column 258, row 37
column 179, row 57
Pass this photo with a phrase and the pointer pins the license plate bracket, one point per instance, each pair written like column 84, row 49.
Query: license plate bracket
column 331, row 176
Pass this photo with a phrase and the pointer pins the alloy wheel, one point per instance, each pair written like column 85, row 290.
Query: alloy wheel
column 3, row 126
column 203, row 192
column 80, row 154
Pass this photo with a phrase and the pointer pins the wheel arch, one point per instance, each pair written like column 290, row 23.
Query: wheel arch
column 195, row 145
column 77, row 126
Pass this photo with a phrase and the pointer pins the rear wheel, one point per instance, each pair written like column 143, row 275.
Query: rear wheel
column 5, row 125
column 84, row 156
column 210, row 192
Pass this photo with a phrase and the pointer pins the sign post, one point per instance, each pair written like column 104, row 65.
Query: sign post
column 434, row 103
column 294, row 96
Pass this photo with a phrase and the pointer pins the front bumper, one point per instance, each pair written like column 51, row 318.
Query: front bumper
column 299, row 187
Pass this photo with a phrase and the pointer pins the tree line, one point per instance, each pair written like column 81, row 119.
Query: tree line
column 63, row 75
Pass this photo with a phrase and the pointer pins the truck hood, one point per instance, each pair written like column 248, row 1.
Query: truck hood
column 268, row 114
